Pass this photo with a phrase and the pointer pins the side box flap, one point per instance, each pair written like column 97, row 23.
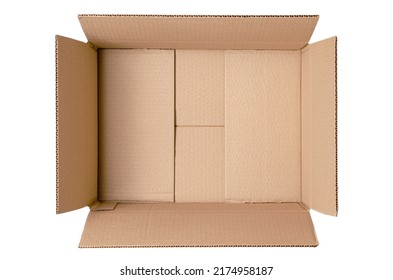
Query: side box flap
column 199, row 32
column 76, row 124
column 199, row 224
column 319, row 126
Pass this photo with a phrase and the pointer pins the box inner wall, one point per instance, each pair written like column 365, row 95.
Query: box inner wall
column 199, row 125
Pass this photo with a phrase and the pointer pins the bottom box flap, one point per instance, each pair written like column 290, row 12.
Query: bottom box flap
column 199, row 224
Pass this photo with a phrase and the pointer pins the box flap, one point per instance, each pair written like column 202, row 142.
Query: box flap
column 319, row 126
column 76, row 124
column 200, row 224
column 198, row 32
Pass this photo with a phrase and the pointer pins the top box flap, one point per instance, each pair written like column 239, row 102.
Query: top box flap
column 76, row 124
column 199, row 32
column 200, row 224
column 319, row 126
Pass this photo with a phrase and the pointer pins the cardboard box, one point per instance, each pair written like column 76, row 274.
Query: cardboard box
column 197, row 130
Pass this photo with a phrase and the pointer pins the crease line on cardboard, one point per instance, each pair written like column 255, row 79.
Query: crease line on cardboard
column 225, row 117
column 301, row 127
column 90, row 44
column 174, row 126
column 200, row 125
column 98, row 125
column 310, row 115
column 303, row 211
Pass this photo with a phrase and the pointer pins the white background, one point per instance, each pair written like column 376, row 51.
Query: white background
column 35, row 242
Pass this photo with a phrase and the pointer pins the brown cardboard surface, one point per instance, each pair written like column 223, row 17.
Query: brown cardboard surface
column 199, row 164
column 200, row 86
column 103, row 206
column 319, row 134
column 262, row 126
column 136, row 125
column 76, row 124
column 200, row 224
column 231, row 117
column 198, row 32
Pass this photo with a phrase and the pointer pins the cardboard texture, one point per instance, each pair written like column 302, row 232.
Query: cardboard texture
column 76, row 129
column 262, row 126
column 319, row 126
column 197, row 130
column 198, row 32
column 201, row 224
column 200, row 88
column 136, row 121
column 199, row 164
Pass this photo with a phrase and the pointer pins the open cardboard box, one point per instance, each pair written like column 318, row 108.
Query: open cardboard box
column 196, row 130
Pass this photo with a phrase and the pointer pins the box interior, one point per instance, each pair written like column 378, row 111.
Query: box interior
column 195, row 125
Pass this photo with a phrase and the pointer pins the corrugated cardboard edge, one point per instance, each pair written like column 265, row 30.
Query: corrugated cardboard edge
column 196, row 16
column 198, row 246
column 336, row 118
column 57, row 127
column 336, row 128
